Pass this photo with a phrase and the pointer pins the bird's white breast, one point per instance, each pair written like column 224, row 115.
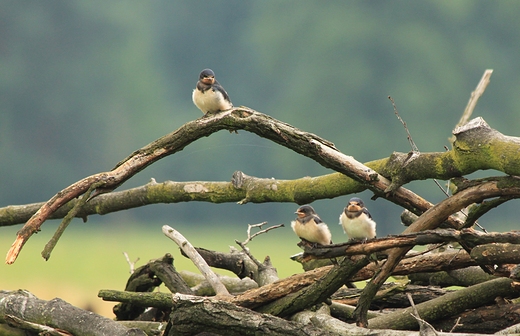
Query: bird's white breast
column 315, row 233
column 358, row 228
column 210, row 101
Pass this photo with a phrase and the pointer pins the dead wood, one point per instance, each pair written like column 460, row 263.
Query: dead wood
column 467, row 236
column 448, row 305
column 391, row 295
column 193, row 315
column 317, row 292
column 21, row 306
column 235, row 261
column 197, row 260
column 504, row 253
column 486, row 320
column 201, row 287
column 428, row 221
column 304, row 143
column 467, row 276
column 323, row 320
column 148, row 277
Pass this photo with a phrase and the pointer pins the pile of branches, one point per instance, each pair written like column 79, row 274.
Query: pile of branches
column 316, row 302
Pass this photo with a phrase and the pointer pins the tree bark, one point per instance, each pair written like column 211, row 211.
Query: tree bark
column 448, row 305
column 58, row 314
column 191, row 316
column 469, row 140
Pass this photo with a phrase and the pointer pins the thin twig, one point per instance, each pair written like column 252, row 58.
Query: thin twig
column 428, row 250
column 424, row 327
column 248, row 253
column 410, row 140
column 475, row 95
column 250, row 237
column 461, row 211
column 49, row 247
column 457, row 324
column 250, row 226
column 131, row 263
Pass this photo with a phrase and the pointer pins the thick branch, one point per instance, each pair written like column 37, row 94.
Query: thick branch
column 193, row 315
column 447, row 305
column 430, row 220
column 468, row 236
column 477, row 147
column 476, row 141
column 253, row 189
column 58, row 314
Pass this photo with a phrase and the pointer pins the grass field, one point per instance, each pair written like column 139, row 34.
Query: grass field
column 89, row 258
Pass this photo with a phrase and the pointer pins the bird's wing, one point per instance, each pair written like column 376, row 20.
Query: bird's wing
column 365, row 211
column 317, row 219
column 219, row 87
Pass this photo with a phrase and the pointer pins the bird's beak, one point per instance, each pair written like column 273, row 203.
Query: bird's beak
column 208, row 80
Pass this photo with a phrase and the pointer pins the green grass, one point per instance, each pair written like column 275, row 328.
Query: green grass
column 89, row 258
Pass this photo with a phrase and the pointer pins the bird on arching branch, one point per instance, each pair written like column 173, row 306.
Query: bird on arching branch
column 309, row 226
column 356, row 221
column 209, row 96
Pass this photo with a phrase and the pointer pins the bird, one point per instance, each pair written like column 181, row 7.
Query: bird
column 209, row 96
column 309, row 227
column 356, row 221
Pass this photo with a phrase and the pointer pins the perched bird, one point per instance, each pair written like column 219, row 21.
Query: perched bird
column 209, row 96
column 309, row 227
column 357, row 221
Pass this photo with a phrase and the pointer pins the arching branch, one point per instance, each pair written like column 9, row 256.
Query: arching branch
column 473, row 141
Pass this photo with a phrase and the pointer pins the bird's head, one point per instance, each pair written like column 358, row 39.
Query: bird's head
column 305, row 210
column 355, row 204
column 207, row 76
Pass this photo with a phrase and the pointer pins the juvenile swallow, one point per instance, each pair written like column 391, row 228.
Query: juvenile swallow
column 309, row 227
column 356, row 220
column 209, row 96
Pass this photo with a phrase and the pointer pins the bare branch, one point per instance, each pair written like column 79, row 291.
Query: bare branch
column 130, row 263
column 250, row 226
column 415, row 149
column 475, row 96
column 201, row 264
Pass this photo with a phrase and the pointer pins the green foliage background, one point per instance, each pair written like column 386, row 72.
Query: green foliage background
column 85, row 83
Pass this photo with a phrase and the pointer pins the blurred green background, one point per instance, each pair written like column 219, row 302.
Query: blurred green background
column 85, row 83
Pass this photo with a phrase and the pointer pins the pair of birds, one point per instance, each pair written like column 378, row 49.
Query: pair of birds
column 210, row 97
column 356, row 221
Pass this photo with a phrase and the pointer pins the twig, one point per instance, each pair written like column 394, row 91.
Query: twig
column 195, row 257
column 250, row 237
column 424, row 327
column 461, row 211
column 250, row 226
column 475, row 95
column 49, row 247
column 130, row 263
column 410, row 140
column 457, row 324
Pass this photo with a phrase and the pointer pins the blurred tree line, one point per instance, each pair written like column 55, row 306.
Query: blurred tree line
column 85, row 83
